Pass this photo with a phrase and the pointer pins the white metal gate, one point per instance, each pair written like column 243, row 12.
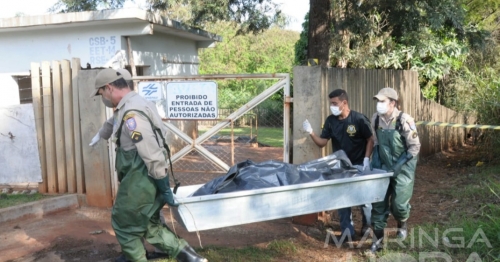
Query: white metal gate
column 202, row 148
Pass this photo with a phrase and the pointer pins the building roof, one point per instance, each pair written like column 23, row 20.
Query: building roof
column 117, row 16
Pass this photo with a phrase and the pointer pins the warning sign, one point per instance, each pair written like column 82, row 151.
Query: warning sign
column 192, row 100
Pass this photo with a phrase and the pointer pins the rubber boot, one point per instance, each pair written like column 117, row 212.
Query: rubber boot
column 364, row 230
column 188, row 254
column 402, row 230
column 156, row 255
column 122, row 258
column 378, row 238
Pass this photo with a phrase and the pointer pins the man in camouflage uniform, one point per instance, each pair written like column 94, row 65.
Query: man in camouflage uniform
column 140, row 164
column 396, row 150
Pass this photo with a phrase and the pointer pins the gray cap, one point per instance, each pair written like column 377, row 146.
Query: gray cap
column 103, row 78
column 385, row 93
column 126, row 75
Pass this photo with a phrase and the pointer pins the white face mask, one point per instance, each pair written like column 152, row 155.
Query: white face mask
column 335, row 110
column 382, row 107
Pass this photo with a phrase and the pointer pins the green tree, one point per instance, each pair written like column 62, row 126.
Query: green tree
column 253, row 16
column 473, row 87
column 67, row 6
column 301, row 44
column 483, row 13
column 269, row 52
column 430, row 36
column 319, row 31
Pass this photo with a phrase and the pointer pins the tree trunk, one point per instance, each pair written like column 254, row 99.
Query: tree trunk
column 319, row 36
column 339, row 17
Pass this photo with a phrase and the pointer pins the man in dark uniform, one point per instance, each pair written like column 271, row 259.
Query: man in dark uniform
column 350, row 131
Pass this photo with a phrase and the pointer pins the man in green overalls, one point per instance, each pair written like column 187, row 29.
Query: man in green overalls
column 105, row 133
column 140, row 164
column 396, row 149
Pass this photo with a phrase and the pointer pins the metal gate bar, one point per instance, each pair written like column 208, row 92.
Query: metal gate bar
column 196, row 144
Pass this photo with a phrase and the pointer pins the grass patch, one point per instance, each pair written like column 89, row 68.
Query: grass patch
column 238, row 254
column 472, row 232
column 284, row 247
column 275, row 250
column 271, row 136
column 8, row 200
column 460, row 240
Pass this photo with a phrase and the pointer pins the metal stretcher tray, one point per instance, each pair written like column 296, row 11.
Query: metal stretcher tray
column 236, row 208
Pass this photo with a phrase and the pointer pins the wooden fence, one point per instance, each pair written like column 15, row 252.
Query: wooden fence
column 60, row 93
column 310, row 101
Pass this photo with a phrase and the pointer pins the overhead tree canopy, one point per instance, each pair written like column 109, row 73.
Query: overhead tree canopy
column 269, row 52
column 251, row 16
column 67, row 6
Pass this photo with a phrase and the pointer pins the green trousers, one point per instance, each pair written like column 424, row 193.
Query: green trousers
column 136, row 212
column 397, row 198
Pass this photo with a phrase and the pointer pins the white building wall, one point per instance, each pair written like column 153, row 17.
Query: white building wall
column 165, row 54
column 101, row 46
column 98, row 45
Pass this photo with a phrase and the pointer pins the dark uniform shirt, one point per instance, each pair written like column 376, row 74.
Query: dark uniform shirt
column 349, row 134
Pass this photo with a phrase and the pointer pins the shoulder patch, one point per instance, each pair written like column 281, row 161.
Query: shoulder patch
column 131, row 124
column 412, row 125
column 136, row 137
column 414, row 135
column 127, row 116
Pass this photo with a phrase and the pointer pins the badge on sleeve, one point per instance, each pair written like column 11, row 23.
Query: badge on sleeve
column 131, row 124
column 414, row 134
column 136, row 137
column 129, row 115
column 412, row 125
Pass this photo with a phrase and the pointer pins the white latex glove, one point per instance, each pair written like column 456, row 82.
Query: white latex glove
column 306, row 126
column 366, row 163
column 96, row 139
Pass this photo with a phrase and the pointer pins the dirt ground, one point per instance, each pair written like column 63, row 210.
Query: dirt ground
column 85, row 234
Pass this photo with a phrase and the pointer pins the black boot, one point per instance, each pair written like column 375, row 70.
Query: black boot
column 188, row 254
column 364, row 230
column 402, row 230
column 122, row 258
column 156, row 255
column 378, row 238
